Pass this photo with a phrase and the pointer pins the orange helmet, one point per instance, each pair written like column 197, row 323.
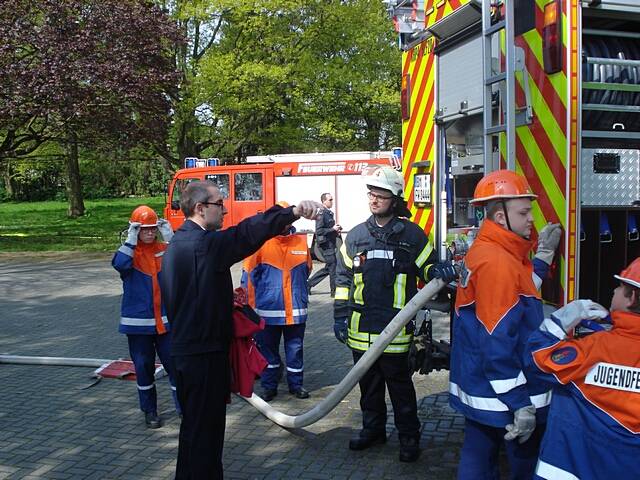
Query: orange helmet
column 283, row 204
column 145, row 216
column 631, row 274
column 501, row 184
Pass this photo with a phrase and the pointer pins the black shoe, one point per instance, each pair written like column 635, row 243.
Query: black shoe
column 268, row 395
column 301, row 393
column 409, row 450
column 152, row 420
column 367, row 440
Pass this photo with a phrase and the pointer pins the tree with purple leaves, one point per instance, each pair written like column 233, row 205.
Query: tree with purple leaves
column 84, row 74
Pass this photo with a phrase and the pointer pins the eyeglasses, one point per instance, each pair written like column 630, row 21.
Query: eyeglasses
column 375, row 196
column 219, row 203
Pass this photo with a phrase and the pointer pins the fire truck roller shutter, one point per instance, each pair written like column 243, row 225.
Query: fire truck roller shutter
column 618, row 48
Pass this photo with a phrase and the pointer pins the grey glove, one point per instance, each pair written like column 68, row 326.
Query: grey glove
column 165, row 229
column 574, row 312
column 132, row 233
column 340, row 329
column 524, row 423
column 548, row 240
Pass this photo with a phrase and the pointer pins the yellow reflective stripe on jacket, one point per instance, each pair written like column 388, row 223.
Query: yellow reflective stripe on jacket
column 424, row 255
column 399, row 290
column 342, row 293
column 345, row 256
column 358, row 283
column 363, row 340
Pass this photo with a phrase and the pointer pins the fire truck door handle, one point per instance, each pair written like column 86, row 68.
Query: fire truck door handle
column 260, row 211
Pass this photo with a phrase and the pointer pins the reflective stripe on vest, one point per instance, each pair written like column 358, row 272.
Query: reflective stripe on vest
column 399, row 290
column 359, row 286
column 363, row 340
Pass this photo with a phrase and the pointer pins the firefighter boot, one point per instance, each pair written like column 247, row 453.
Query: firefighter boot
column 367, row 439
column 152, row 420
column 409, row 449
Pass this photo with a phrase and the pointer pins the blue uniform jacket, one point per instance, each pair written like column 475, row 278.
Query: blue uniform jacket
column 497, row 308
column 276, row 280
column 142, row 310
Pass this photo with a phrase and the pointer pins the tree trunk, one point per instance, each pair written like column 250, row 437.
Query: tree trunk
column 7, row 177
column 74, row 185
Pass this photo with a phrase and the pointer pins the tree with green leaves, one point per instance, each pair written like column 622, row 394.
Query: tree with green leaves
column 277, row 76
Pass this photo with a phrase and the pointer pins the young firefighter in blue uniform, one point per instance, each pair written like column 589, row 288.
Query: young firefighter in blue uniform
column 497, row 308
column 379, row 265
column 143, row 317
column 593, row 430
column 276, row 280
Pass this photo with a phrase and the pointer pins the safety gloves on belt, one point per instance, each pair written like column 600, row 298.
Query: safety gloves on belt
column 165, row 229
column 569, row 316
column 446, row 271
column 132, row 233
column 548, row 240
column 524, row 423
column 340, row 329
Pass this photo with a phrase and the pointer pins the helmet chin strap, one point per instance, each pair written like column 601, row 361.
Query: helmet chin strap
column 506, row 213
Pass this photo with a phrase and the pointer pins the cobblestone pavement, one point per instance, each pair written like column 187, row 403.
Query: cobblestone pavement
column 54, row 425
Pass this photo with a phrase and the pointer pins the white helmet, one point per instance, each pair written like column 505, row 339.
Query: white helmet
column 386, row 178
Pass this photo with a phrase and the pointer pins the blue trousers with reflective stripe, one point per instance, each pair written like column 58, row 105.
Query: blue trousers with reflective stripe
column 269, row 344
column 479, row 456
column 142, row 349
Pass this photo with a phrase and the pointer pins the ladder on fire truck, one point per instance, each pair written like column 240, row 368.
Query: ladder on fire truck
column 498, row 16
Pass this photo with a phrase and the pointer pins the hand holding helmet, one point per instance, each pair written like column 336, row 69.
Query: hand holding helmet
column 165, row 229
column 132, row 233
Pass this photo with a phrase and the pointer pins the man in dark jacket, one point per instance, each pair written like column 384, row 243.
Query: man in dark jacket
column 327, row 231
column 198, row 294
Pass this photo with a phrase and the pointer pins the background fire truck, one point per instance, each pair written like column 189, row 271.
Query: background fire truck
column 550, row 89
column 262, row 181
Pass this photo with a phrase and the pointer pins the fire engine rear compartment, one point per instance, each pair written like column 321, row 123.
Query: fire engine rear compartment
column 610, row 156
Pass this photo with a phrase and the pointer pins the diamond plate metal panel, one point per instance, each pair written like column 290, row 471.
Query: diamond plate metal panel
column 610, row 189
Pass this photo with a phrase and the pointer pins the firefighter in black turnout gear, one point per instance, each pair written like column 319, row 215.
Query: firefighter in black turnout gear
column 377, row 271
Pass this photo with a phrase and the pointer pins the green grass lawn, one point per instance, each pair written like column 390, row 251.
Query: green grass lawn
column 45, row 227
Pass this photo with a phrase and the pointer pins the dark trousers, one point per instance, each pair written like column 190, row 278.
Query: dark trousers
column 269, row 345
column 328, row 269
column 203, row 388
column 142, row 349
column 392, row 370
column 479, row 456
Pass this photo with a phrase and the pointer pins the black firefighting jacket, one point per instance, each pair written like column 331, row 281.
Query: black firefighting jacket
column 377, row 273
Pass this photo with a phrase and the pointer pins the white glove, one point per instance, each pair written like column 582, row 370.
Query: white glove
column 165, row 229
column 572, row 313
column 308, row 209
column 524, row 423
column 548, row 240
column 132, row 233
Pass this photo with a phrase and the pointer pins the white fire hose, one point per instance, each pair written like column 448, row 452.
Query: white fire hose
column 359, row 369
column 321, row 409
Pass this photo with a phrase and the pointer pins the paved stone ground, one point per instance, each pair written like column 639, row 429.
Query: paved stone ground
column 54, row 426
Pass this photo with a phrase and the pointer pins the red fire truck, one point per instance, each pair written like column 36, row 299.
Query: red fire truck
column 256, row 185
